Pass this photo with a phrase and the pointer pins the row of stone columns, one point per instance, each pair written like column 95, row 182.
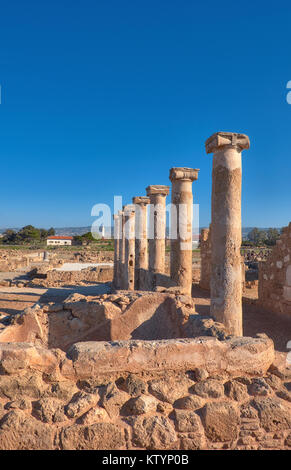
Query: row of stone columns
column 137, row 262
column 139, row 259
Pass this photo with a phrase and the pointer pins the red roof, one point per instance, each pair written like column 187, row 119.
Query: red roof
column 56, row 237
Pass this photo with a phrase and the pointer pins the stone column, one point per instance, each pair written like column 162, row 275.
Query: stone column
column 129, row 232
column 141, row 243
column 182, row 210
column 121, row 273
column 226, row 273
column 116, row 249
column 157, row 242
column 205, row 255
column 117, row 238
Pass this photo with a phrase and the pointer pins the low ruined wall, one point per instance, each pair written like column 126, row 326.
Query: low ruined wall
column 182, row 394
column 12, row 261
column 111, row 317
column 275, row 276
column 98, row 274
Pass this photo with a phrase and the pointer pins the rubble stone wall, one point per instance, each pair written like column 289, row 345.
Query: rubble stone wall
column 161, row 395
column 275, row 276
column 98, row 274
column 12, row 261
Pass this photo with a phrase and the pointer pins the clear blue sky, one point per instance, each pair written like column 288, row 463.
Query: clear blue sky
column 103, row 97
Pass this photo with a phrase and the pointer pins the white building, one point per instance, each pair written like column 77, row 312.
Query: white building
column 59, row 240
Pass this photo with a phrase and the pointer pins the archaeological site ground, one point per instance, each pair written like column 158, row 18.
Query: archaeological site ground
column 154, row 345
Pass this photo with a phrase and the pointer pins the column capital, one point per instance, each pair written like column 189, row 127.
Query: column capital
column 183, row 174
column 157, row 189
column 128, row 210
column 229, row 139
column 142, row 200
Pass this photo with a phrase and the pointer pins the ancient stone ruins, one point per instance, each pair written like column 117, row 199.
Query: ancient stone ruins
column 140, row 366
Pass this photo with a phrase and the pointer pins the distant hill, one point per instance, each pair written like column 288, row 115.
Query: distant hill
column 72, row 231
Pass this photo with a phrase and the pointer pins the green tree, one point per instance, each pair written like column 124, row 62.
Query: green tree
column 272, row 236
column 9, row 236
column 257, row 236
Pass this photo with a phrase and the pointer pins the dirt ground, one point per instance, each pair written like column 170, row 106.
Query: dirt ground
column 14, row 300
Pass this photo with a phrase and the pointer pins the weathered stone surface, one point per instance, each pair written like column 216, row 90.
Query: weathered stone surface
column 30, row 385
column 80, row 403
column 288, row 440
column 94, row 415
column 209, row 388
column 98, row 436
column 259, row 387
column 236, row 390
column 181, row 245
column 275, row 276
column 273, row 381
column 15, row 357
column 63, row 390
column 187, row 421
column 200, row 374
column 226, row 288
column 280, row 367
column 284, row 394
column 235, row 356
column 273, row 413
column 20, row 404
column 20, row 432
column 248, row 412
column 152, row 316
column 134, row 385
column 154, row 432
column 220, row 421
column 48, row 410
column 113, row 399
column 140, row 405
column 163, row 389
column 193, row 442
column 190, row 402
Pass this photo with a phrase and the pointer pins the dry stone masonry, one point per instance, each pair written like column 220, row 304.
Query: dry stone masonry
column 170, row 396
column 275, row 276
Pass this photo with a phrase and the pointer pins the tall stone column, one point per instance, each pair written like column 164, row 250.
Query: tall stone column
column 121, row 273
column 157, row 242
column 182, row 210
column 116, row 219
column 226, row 272
column 141, row 243
column 129, row 231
